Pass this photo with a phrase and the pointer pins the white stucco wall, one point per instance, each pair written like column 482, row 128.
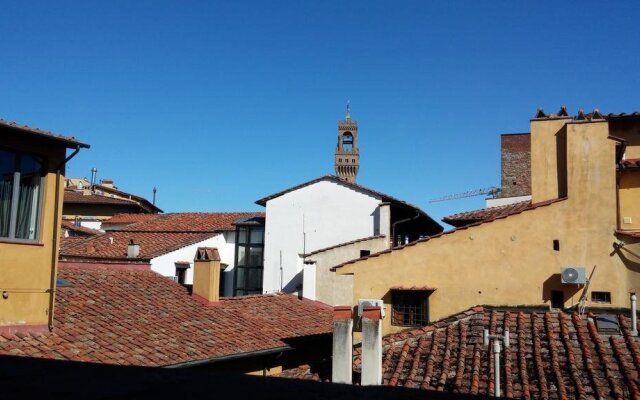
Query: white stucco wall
column 313, row 217
column 224, row 242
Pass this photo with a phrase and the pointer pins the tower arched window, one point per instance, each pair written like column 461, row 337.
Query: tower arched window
column 347, row 141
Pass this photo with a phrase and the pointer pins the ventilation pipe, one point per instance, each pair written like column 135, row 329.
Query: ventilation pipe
column 94, row 171
column 154, row 195
column 341, row 364
column 634, row 316
column 496, row 355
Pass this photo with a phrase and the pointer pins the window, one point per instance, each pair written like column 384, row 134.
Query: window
column 249, row 259
column 601, row 297
column 364, row 253
column 21, row 178
column 181, row 272
column 556, row 245
column 347, row 142
column 410, row 307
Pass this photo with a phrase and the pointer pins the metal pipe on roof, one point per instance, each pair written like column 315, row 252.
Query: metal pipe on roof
column 634, row 316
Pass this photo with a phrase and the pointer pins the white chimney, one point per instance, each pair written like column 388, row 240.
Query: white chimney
column 371, row 346
column 133, row 250
column 342, row 362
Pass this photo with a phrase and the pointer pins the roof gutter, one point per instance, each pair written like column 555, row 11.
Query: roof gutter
column 229, row 357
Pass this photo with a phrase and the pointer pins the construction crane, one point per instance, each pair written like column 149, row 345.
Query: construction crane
column 493, row 191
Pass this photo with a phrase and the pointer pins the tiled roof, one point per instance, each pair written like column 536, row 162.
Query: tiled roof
column 582, row 116
column 113, row 245
column 70, row 142
column 136, row 317
column 84, row 231
column 73, row 197
column 128, row 218
column 469, row 217
column 634, row 234
column 191, row 222
column 144, row 203
column 469, row 226
column 157, row 235
column 551, row 355
column 629, row 163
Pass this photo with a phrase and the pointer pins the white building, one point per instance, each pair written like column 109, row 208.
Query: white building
column 327, row 212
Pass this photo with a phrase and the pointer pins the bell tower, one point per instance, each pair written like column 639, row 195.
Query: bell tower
column 347, row 161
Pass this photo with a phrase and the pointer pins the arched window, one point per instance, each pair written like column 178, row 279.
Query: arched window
column 347, row 141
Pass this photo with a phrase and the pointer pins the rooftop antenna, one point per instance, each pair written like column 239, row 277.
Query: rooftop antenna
column 493, row 191
column 154, row 195
column 348, row 116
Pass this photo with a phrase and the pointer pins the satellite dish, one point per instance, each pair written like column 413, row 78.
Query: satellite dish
column 570, row 275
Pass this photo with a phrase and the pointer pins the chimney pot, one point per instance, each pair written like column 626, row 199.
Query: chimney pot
column 342, row 361
column 206, row 275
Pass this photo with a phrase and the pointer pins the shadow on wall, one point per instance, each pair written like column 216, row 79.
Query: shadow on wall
column 629, row 253
column 295, row 284
column 554, row 284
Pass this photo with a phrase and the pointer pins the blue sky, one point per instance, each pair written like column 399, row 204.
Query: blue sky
column 221, row 103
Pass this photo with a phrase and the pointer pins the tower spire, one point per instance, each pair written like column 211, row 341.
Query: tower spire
column 348, row 115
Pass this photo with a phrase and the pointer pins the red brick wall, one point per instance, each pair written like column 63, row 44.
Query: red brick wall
column 516, row 164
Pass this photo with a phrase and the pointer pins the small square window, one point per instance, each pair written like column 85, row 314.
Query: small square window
column 410, row 307
column 557, row 299
column 364, row 253
column 601, row 297
column 556, row 245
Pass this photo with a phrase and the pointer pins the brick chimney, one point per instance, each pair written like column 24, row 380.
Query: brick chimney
column 342, row 362
column 206, row 275
column 371, row 346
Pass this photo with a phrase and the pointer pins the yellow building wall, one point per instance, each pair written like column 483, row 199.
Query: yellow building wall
column 629, row 191
column 512, row 261
column 545, row 135
column 26, row 267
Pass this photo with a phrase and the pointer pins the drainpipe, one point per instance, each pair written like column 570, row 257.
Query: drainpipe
column 496, row 355
column 54, row 241
column 634, row 317
column 402, row 221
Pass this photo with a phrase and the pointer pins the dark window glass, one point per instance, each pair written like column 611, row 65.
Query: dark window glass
column 364, row 253
column 20, row 183
column 601, row 297
column 249, row 259
column 409, row 308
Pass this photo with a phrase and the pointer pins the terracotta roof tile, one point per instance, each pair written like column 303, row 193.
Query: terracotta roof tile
column 551, row 355
column 191, row 222
column 128, row 218
column 134, row 317
column 469, row 217
column 114, row 245
column 157, row 235
column 629, row 163
column 73, row 197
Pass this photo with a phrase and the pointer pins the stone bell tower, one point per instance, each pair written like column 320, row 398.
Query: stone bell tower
column 347, row 161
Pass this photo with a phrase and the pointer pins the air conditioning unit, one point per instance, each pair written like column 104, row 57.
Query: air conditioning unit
column 362, row 303
column 573, row 275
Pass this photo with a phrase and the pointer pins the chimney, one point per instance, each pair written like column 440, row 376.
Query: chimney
column 107, row 183
column 371, row 346
column 206, row 275
column 133, row 250
column 342, row 363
